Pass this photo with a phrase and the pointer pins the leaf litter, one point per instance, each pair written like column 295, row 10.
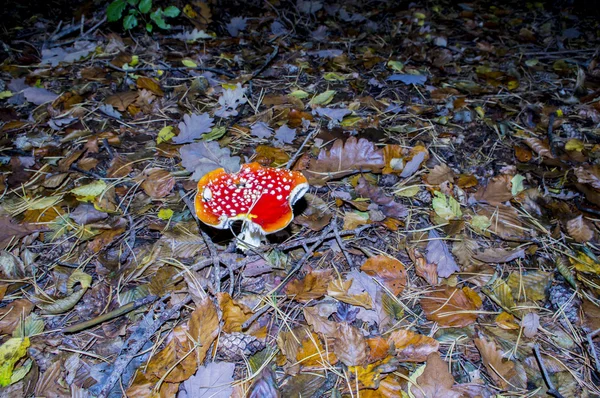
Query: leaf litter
column 447, row 246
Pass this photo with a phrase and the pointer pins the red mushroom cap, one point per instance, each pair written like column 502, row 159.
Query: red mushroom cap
column 262, row 196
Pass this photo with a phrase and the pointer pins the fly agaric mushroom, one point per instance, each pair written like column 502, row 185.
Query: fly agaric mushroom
column 262, row 197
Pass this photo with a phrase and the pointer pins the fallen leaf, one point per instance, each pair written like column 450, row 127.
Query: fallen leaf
column 214, row 380
column 412, row 347
column 203, row 328
column 540, row 147
column 499, row 369
column 440, row 173
column 312, row 286
column 439, row 254
column 234, row 314
column 10, row 231
column 121, row 100
column 156, row 182
column 317, row 215
column 319, row 323
column 499, row 255
column 203, row 157
column 388, row 270
column 349, row 345
column 436, row 380
column 339, row 289
column 449, row 307
column 11, row 315
column 497, row 191
column 386, row 203
column 149, row 84
column 579, row 229
column 531, row 324
column 344, row 158
column 193, row 127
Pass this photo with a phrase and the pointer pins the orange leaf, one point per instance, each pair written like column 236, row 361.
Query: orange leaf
column 203, row 327
column 156, row 182
column 449, row 307
column 389, row 270
column 378, row 348
column 500, row 371
column 435, row 381
column 150, row 84
column 412, row 347
column 174, row 360
column 313, row 286
column 311, row 353
column 234, row 314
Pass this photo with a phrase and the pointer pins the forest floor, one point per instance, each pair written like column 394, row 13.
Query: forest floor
column 447, row 245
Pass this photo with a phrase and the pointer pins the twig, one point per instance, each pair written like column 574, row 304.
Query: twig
column 108, row 149
column 133, row 346
column 212, row 249
column 306, row 241
column 293, row 159
column 551, row 390
column 551, row 135
column 171, row 68
column 592, row 348
column 340, row 243
column 270, row 59
column 305, row 257
column 112, row 314
column 131, row 241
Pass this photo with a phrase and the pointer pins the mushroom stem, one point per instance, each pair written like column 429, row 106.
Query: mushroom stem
column 251, row 236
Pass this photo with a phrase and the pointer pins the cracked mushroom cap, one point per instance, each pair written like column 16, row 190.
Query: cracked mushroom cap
column 262, row 196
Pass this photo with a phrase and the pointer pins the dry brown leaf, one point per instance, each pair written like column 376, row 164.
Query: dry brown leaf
column 350, row 346
column 122, row 100
column 149, row 84
column 388, row 270
column 589, row 175
column 540, row 147
column 378, row 349
column 173, row 360
column 440, row 173
column 344, row 159
column 317, row 215
column 319, row 323
column 203, row 327
column 435, row 381
column 522, row 154
column 500, row 370
column 11, row 231
column 449, row 307
column 271, row 156
column 579, row 229
column 467, row 181
column 505, row 222
column 13, row 313
column 119, row 167
column 387, row 204
column 156, row 182
column 412, row 347
column 234, row 314
column 497, row 190
column 427, row 271
column 313, row 286
column 499, row 255
column 354, row 220
column 338, row 289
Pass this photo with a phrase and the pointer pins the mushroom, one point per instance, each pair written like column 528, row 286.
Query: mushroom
column 262, row 197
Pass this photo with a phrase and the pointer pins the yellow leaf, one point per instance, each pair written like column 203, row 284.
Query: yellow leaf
column 134, row 60
column 585, row 264
column 88, row 192
column 11, row 352
column 5, row 94
column 350, row 121
column 165, row 214
column 323, row 98
column 333, row 77
column 300, row 94
column 189, row 11
column 339, row 290
column 408, row 192
column 396, row 65
column 165, row 134
column 574, row 145
column 189, row 63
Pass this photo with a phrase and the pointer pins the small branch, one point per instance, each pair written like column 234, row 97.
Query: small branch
column 302, row 242
column 551, row 390
column 592, row 348
column 133, row 346
column 340, row 243
column 294, row 158
column 112, row 314
column 267, row 62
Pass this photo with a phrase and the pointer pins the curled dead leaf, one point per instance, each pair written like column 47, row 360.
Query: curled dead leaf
column 412, row 347
column 449, row 307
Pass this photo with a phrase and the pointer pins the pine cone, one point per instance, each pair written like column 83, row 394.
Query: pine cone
column 561, row 294
column 235, row 346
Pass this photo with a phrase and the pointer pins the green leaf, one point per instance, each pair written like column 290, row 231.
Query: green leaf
column 129, row 22
column 166, row 133
column 171, row 11
column 165, row 214
column 157, row 17
column 215, row 133
column 323, row 98
column 446, row 206
column 133, row 2
column 149, row 27
column 517, row 184
column 145, row 6
column 189, row 63
column 115, row 10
